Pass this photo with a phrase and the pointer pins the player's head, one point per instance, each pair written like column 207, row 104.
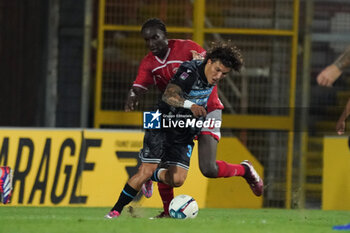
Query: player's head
column 220, row 59
column 154, row 33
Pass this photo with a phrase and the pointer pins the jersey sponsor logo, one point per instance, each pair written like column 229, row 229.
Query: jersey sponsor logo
column 199, row 97
column 200, row 101
column 151, row 120
column 200, row 92
column 184, row 75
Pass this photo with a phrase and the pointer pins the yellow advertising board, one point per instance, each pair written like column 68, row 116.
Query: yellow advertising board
column 45, row 164
column 90, row 168
column 336, row 175
column 58, row 167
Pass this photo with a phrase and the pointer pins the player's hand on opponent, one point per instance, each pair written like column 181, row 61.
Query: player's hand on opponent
column 196, row 55
column 328, row 76
column 198, row 111
column 131, row 102
column 340, row 127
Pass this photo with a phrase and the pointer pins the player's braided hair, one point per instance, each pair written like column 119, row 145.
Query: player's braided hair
column 154, row 22
column 227, row 53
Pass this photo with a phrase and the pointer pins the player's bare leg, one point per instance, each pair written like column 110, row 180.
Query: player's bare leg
column 173, row 176
column 131, row 188
column 143, row 174
column 207, row 146
column 209, row 166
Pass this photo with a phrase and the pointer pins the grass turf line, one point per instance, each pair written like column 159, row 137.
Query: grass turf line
column 90, row 220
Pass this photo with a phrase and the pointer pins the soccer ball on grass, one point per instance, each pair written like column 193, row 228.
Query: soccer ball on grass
column 183, row 206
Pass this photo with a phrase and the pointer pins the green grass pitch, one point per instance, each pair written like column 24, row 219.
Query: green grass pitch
column 90, row 220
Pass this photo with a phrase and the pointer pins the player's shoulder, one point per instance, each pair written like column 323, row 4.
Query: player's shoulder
column 187, row 73
column 148, row 59
column 149, row 56
column 192, row 65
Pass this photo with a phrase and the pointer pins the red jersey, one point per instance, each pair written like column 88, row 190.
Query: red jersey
column 154, row 71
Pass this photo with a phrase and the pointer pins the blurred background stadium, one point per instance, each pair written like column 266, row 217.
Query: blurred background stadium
column 70, row 64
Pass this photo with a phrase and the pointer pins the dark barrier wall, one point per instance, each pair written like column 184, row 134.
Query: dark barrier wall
column 71, row 40
column 22, row 61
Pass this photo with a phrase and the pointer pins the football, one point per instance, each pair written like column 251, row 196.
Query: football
column 183, row 206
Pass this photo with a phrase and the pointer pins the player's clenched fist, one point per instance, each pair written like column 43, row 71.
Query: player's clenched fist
column 328, row 76
column 131, row 102
column 198, row 110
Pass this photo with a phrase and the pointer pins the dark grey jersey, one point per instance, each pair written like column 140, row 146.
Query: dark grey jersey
column 191, row 79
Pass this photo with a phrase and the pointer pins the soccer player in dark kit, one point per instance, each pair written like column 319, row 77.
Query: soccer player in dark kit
column 186, row 95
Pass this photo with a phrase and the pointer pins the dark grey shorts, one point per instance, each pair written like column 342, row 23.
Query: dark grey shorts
column 157, row 149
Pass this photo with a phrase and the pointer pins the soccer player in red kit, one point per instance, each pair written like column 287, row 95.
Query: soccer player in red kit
column 157, row 68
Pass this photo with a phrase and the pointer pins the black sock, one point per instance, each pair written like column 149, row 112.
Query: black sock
column 126, row 196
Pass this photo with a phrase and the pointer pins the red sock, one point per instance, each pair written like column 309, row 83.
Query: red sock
column 167, row 194
column 228, row 169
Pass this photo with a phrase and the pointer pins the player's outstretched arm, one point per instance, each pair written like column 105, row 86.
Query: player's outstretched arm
column 343, row 60
column 133, row 98
column 340, row 127
column 332, row 72
column 328, row 76
column 173, row 97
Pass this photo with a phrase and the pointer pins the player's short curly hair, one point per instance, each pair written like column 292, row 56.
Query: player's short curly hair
column 154, row 22
column 227, row 53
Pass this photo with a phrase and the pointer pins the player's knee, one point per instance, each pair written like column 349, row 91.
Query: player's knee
column 178, row 180
column 145, row 172
column 148, row 173
column 209, row 170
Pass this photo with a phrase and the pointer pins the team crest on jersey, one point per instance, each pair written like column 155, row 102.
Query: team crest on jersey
column 175, row 70
column 184, row 75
